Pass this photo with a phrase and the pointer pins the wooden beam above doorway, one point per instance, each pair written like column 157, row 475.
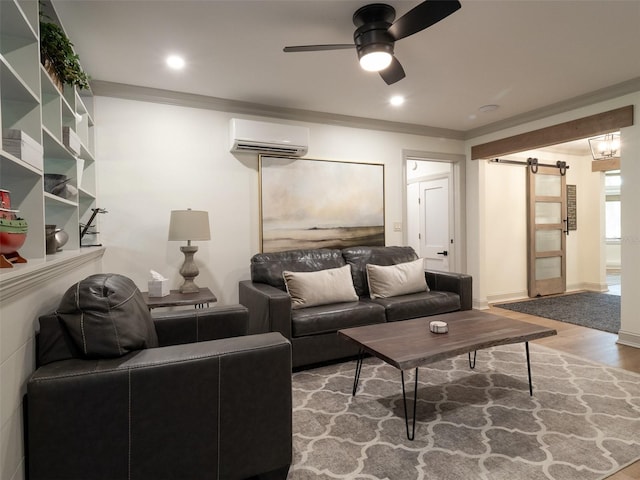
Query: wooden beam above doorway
column 593, row 125
column 605, row 165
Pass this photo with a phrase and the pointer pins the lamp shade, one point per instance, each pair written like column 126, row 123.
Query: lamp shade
column 189, row 225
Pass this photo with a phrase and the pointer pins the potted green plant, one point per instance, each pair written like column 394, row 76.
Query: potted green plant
column 58, row 57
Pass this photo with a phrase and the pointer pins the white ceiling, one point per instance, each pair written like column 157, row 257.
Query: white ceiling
column 523, row 55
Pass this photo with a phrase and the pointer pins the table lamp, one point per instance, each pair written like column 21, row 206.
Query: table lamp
column 189, row 225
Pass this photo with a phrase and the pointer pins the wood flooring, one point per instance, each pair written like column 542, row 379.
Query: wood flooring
column 590, row 344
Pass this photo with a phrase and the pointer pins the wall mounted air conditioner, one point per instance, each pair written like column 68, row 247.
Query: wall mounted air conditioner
column 265, row 137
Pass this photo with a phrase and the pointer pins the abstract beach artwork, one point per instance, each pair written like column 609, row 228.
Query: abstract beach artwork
column 308, row 203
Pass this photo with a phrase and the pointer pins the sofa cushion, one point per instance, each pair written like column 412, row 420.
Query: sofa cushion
column 268, row 267
column 421, row 304
column 359, row 257
column 308, row 289
column 331, row 318
column 394, row 280
column 106, row 316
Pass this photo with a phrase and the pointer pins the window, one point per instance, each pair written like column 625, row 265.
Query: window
column 612, row 183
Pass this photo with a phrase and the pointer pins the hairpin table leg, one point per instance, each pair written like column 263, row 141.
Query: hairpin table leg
column 358, row 370
column 526, row 346
column 472, row 365
column 411, row 435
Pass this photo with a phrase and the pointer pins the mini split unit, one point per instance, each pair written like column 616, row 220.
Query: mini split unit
column 264, row 137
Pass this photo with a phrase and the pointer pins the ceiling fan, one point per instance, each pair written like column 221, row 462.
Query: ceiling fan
column 376, row 34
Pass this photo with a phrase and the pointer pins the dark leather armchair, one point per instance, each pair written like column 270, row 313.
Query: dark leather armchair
column 208, row 402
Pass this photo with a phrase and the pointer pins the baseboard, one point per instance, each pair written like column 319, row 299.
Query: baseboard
column 479, row 304
column 588, row 286
column 628, row 338
column 507, row 297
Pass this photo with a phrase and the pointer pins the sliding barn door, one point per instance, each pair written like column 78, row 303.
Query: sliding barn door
column 546, row 237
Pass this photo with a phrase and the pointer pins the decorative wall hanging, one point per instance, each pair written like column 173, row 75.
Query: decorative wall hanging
column 572, row 209
column 307, row 203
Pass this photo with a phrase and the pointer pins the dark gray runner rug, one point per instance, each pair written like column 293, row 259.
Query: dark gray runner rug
column 582, row 422
column 589, row 309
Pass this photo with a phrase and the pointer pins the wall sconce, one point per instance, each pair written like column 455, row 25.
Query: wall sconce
column 189, row 225
column 605, row 146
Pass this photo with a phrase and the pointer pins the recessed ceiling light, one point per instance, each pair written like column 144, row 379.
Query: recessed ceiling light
column 489, row 108
column 396, row 100
column 176, row 62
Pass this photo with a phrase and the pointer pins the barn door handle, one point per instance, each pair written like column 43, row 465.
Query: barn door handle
column 444, row 253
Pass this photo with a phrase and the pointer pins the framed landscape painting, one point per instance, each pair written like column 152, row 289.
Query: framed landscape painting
column 308, row 203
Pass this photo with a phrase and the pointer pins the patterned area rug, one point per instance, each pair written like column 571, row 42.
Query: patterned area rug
column 582, row 422
column 589, row 309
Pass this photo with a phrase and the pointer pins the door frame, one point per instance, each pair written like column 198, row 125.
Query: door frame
column 457, row 192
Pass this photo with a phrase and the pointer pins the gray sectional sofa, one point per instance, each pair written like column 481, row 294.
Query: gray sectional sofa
column 312, row 330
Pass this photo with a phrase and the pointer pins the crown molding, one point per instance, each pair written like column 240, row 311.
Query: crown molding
column 169, row 97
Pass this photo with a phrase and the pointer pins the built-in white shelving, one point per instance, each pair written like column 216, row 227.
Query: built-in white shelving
column 32, row 103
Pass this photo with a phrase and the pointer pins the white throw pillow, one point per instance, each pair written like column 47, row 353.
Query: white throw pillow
column 394, row 280
column 308, row 289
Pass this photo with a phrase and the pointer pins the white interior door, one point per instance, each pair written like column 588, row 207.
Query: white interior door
column 434, row 224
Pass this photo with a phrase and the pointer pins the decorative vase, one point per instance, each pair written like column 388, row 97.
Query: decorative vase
column 50, row 239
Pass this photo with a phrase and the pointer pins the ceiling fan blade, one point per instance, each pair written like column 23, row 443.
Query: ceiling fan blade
column 318, row 48
column 422, row 16
column 393, row 73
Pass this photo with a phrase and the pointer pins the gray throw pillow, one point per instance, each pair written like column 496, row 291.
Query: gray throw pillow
column 395, row 280
column 106, row 316
column 309, row 289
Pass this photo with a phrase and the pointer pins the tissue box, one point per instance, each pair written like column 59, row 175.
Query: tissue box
column 158, row 288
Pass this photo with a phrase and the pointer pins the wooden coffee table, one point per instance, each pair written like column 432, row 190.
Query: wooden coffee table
column 410, row 344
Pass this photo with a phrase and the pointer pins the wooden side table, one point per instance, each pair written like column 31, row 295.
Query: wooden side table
column 176, row 299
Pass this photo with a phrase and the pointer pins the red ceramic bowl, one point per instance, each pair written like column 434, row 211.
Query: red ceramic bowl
column 11, row 242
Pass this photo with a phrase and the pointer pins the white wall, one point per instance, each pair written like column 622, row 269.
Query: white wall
column 154, row 158
column 481, row 251
column 506, row 233
column 613, row 255
column 630, row 243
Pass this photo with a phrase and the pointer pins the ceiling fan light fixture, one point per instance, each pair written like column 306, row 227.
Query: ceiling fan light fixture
column 375, row 61
column 377, row 30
